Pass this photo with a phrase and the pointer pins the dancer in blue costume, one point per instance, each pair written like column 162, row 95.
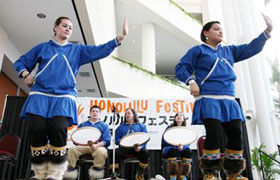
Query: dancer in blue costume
column 171, row 153
column 213, row 87
column 51, row 106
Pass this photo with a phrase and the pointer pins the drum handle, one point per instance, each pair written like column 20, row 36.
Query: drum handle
column 90, row 143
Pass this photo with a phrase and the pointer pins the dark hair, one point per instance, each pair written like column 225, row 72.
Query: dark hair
column 206, row 27
column 58, row 21
column 136, row 120
column 95, row 106
column 175, row 123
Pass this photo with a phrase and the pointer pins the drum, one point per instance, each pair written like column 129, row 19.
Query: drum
column 179, row 135
column 133, row 139
column 85, row 136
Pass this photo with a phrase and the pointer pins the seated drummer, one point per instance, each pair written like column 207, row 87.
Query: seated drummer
column 172, row 153
column 131, row 125
column 98, row 150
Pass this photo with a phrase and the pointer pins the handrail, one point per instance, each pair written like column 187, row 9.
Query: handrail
column 269, row 156
column 262, row 168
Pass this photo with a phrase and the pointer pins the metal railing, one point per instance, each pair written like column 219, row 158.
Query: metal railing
column 270, row 157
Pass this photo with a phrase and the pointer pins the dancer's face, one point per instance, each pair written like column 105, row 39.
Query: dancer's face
column 64, row 29
column 129, row 116
column 215, row 34
column 179, row 119
column 94, row 114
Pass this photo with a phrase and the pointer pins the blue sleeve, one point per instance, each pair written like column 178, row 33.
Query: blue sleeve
column 186, row 66
column 144, row 129
column 106, row 137
column 245, row 51
column 81, row 125
column 118, row 135
column 28, row 61
column 163, row 142
column 91, row 53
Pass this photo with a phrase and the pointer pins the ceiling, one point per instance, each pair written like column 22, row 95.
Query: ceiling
column 25, row 30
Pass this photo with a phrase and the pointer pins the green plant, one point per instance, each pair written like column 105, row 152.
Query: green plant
column 264, row 163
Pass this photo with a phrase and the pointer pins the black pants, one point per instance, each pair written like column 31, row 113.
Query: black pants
column 214, row 134
column 123, row 153
column 176, row 153
column 48, row 131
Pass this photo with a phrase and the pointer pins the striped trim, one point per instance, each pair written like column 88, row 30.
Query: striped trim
column 229, row 151
column 216, row 151
column 52, row 95
column 142, row 165
column 116, row 41
column 171, row 159
column 44, row 68
column 38, row 148
column 211, row 154
column 211, row 71
column 70, row 69
column 188, row 80
column 228, row 64
column 57, row 148
column 21, row 71
column 187, row 159
column 266, row 35
column 233, row 154
column 215, row 97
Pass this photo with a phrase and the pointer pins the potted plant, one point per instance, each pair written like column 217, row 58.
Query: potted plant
column 265, row 163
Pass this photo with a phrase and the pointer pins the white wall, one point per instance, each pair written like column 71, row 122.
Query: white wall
column 134, row 83
column 7, row 48
column 169, row 17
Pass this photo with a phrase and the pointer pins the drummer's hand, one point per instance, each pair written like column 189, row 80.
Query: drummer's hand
column 180, row 147
column 93, row 146
column 137, row 147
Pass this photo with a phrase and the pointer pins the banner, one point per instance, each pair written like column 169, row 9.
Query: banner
column 156, row 114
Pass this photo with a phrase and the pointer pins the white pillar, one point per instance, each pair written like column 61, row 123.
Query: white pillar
column 242, row 84
column 148, row 47
column 256, row 73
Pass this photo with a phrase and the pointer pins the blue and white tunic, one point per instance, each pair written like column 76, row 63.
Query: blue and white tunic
column 54, row 90
column 212, row 69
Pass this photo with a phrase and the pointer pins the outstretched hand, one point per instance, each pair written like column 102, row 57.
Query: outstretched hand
column 124, row 31
column 125, row 27
column 268, row 22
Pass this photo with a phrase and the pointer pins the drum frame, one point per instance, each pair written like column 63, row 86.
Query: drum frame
column 87, row 127
column 179, row 127
column 131, row 134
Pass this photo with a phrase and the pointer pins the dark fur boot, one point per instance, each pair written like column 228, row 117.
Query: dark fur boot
column 233, row 168
column 211, row 168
